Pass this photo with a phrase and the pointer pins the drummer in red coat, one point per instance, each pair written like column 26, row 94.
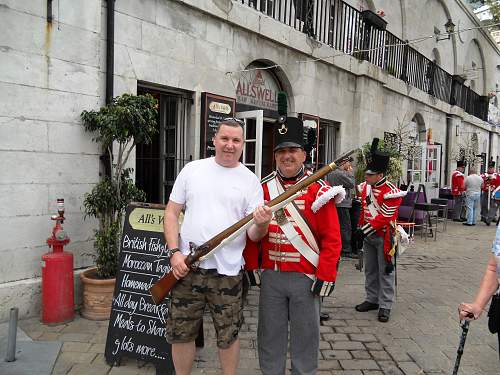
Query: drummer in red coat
column 298, row 259
column 380, row 205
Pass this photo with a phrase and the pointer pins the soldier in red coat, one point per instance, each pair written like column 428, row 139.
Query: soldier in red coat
column 458, row 191
column 298, row 258
column 380, row 205
column 488, row 203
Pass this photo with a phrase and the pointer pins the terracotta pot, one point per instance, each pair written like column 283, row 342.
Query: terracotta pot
column 97, row 295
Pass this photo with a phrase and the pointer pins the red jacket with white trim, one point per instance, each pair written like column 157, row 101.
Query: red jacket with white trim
column 320, row 213
column 491, row 180
column 385, row 211
column 457, row 183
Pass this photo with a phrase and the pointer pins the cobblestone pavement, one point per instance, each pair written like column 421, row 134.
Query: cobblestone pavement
column 421, row 338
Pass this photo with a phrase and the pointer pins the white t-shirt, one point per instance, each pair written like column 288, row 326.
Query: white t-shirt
column 216, row 197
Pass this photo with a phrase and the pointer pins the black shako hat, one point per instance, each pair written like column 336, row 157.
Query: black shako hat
column 378, row 160
column 289, row 133
column 461, row 163
column 491, row 164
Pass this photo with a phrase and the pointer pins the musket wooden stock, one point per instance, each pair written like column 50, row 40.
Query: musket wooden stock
column 163, row 286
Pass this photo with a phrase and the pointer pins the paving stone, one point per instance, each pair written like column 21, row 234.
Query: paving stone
column 335, row 337
column 325, row 329
column 359, row 322
column 324, row 345
column 361, row 354
column 363, row 337
column 77, row 357
column 410, row 368
column 380, row 355
column 347, row 330
column 92, row 369
column 374, row 346
column 398, row 355
column 359, row 364
column 80, row 337
column 336, row 354
column 348, row 345
column 328, row 365
column 71, row 346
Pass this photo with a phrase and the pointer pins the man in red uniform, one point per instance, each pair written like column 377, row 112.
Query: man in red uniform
column 380, row 205
column 458, row 191
column 488, row 203
column 299, row 258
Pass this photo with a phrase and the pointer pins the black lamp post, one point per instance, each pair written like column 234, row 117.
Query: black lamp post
column 450, row 29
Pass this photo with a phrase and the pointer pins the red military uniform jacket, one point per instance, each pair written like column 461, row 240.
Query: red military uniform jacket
column 491, row 180
column 457, row 183
column 276, row 251
column 379, row 217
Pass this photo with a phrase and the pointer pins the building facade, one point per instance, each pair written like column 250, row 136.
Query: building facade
column 352, row 70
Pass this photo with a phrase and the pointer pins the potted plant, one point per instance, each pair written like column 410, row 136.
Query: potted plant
column 373, row 19
column 118, row 126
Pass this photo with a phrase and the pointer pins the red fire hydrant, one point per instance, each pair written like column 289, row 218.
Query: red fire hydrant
column 57, row 275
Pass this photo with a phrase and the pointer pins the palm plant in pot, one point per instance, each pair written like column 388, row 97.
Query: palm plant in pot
column 120, row 125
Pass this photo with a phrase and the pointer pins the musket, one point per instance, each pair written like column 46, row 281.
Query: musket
column 163, row 286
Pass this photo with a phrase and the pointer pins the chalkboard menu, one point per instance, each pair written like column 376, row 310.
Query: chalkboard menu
column 214, row 109
column 136, row 325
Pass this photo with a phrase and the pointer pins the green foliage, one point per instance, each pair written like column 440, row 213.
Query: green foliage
column 126, row 121
column 127, row 117
column 394, row 170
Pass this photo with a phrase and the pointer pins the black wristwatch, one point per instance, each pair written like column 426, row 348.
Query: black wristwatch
column 173, row 251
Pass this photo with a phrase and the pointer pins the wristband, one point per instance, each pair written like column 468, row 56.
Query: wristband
column 173, row 251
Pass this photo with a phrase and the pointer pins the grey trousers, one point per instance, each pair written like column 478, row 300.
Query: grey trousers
column 492, row 213
column 379, row 287
column 458, row 207
column 285, row 297
column 345, row 228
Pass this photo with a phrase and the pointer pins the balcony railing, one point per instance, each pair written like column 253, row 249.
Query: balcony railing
column 344, row 28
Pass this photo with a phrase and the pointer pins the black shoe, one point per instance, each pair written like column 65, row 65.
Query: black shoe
column 487, row 222
column 366, row 306
column 457, row 220
column 383, row 315
column 469, row 225
column 324, row 316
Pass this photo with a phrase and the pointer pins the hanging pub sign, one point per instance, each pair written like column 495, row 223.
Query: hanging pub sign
column 311, row 139
column 137, row 325
column 214, row 109
column 259, row 89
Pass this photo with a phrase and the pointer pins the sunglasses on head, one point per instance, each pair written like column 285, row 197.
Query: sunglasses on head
column 234, row 119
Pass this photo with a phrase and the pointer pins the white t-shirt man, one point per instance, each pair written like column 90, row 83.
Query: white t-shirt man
column 214, row 198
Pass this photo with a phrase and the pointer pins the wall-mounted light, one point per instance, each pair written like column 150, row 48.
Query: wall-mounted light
column 457, row 130
column 450, row 29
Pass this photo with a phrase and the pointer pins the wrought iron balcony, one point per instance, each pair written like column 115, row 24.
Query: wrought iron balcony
column 363, row 35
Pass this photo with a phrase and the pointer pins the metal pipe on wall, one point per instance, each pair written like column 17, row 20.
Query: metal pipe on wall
column 110, row 49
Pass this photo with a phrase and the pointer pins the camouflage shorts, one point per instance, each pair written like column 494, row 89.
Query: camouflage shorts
column 189, row 297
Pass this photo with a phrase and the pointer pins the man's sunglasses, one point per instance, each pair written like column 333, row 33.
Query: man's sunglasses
column 234, row 119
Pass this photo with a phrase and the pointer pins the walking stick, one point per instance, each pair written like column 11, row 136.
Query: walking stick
column 460, row 350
